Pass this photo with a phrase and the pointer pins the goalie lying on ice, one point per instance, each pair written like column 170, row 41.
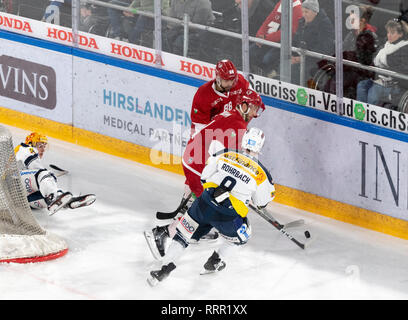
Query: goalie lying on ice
column 41, row 184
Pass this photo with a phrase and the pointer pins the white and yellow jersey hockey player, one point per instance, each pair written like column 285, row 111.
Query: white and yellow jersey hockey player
column 231, row 180
column 41, row 184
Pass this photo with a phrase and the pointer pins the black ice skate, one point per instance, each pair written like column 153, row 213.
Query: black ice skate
column 213, row 264
column 55, row 204
column 81, row 201
column 157, row 240
column 159, row 275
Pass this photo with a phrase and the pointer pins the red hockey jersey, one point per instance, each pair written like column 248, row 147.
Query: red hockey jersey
column 227, row 128
column 208, row 102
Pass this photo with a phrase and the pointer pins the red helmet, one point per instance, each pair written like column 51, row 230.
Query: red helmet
column 250, row 97
column 226, row 70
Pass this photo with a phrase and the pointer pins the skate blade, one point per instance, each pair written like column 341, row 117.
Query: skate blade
column 152, row 281
column 152, row 244
column 61, row 202
column 204, row 271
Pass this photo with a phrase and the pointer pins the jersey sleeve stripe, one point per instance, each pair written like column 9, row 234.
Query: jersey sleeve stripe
column 30, row 159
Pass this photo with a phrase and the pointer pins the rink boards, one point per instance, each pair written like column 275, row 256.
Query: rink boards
column 345, row 167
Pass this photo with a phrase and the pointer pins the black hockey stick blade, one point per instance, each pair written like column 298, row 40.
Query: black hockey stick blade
column 171, row 215
column 278, row 226
column 53, row 166
column 59, row 172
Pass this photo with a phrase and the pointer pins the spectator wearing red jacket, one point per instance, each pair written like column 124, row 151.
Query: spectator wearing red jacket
column 265, row 59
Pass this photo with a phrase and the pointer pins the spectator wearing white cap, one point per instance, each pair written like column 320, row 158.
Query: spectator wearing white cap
column 315, row 33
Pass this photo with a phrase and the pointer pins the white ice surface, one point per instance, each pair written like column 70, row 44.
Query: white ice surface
column 109, row 259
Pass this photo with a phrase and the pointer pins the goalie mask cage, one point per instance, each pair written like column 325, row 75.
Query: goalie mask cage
column 22, row 239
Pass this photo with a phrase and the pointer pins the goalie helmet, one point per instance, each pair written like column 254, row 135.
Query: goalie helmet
column 253, row 140
column 34, row 138
column 225, row 70
column 253, row 100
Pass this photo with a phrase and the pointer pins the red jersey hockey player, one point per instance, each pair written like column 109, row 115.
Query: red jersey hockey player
column 217, row 95
column 225, row 131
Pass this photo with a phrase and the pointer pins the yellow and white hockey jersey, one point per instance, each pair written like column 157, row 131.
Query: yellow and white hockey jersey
column 252, row 181
column 27, row 157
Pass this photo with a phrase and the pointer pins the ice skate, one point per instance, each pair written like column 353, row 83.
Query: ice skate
column 157, row 240
column 159, row 275
column 81, row 201
column 61, row 200
column 213, row 264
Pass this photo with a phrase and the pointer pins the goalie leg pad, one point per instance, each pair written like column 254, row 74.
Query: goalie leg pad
column 37, row 201
column 34, row 196
column 47, row 182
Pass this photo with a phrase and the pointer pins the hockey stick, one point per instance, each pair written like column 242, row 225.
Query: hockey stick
column 278, row 226
column 60, row 172
column 171, row 215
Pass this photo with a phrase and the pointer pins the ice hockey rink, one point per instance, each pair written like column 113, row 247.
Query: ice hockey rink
column 108, row 257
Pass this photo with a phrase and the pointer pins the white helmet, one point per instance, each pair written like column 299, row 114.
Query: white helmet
column 253, row 140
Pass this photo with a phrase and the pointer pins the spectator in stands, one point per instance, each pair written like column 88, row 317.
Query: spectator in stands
column 393, row 56
column 384, row 10
column 315, row 33
column 115, row 16
column 199, row 11
column 258, row 10
column 359, row 23
column 359, row 45
column 227, row 15
column 265, row 59
column 85, row 17
column 229, row 47
column 144, row 25
column 94, row 19
column 222, row 5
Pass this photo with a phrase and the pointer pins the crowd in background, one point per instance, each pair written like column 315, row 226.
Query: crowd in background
column 375, row 33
